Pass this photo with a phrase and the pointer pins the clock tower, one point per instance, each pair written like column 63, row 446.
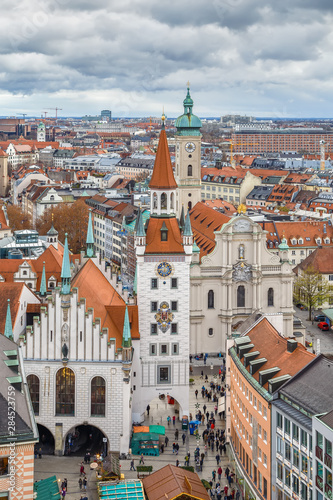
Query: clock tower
column 188, row 157
column 164, row 251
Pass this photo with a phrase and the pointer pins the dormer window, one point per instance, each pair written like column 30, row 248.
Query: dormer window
column 300, row 241
column 327, row 240
column 318, row 241
column 164, row 232
column 293, row 241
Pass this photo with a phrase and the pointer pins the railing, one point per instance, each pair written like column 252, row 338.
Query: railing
column 319, row 482
column 271, row 268
column 328, row 491
column 328, row 461
column 319, row 453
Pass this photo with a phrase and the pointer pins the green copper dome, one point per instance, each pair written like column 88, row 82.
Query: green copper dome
column 283, row 245
column 187, row 123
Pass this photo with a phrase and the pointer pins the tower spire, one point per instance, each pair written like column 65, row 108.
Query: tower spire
column 90, row 238
column 8, row 325
column 65, row 270
column 162, row 177
column 42, row 289
column 188, row 228
column 127, row 339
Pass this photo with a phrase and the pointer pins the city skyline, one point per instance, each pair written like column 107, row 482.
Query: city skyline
column 240, row 56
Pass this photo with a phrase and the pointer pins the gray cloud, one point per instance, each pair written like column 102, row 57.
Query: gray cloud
column 240, row 55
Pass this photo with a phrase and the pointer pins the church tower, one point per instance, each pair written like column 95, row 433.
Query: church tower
column 188, row 156
column 4, row 178
column 164, row 251
column 41, row 132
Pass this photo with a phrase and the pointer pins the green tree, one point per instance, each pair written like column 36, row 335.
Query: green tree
column 311, row 290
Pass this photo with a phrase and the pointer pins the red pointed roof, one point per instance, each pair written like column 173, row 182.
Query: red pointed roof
column 162, row 177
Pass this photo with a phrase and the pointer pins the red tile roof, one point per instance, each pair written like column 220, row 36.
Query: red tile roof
column 162, row 177
column 13, row 292
column 174, row 243
column 321, row 260
column 108, row 305
column 204, row 221
column 273, row 347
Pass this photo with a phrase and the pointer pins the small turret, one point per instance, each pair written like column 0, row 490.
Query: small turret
column 140, row 238
column 90, row 239
column 52, row 236
column 284, row 250
column 43, row 288
column 126, row 347
column 65, row 271
column 8, row 325
column 188, row 235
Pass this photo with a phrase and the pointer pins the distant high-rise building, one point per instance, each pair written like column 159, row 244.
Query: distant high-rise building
column 106, row 115
column 41, row 132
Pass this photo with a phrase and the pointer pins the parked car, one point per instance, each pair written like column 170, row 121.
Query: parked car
column 323, row 326
column 320, row 317
column 301, row 306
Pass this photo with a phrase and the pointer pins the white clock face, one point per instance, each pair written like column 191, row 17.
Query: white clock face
column 190, row 147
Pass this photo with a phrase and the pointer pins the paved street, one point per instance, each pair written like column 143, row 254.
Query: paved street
column 69, row 466
column 313, row 332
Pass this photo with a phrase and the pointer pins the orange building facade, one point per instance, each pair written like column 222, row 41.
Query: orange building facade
column 259, row 362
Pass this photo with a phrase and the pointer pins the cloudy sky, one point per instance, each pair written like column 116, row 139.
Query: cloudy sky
column 259, row 57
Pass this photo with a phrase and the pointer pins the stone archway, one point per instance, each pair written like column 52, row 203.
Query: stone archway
column 84, row 438
column 46, row 440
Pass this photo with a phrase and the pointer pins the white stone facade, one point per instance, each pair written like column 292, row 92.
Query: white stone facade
column 240, row 258
column 189, row 186
column 90, row 354
column 150, row 385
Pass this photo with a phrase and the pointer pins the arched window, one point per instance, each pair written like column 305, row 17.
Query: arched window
column 33, row 384
column 241, row 296
column 270, row 297
column 163, row 200
column 189, row 170
column 155, row 201
column 98, row 397
column 189, row 205
column 65, row 392
column 52, row 197
column 172, row 201
column 210, row 332
column 210, row 299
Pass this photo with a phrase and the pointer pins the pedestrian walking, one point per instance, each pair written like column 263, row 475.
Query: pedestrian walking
column 82, row 469
column 196, row 393
column 168, row 419
column 142, row 460
column 177, row 448
column 84, row 483
column 40, row 453
column 80, row 483
column 226, row 472
column 217, row 459
column 201, row 376
column 237, row 495
column 176, row 434
column 166, row 440
column 183, row 437
column 214, row 475
column 132, row 465
column 174, row 420
column 219, row 473
column 177, row 463
column 63, row 493
column 162, row 448
column 148, row 409
column 65, row 484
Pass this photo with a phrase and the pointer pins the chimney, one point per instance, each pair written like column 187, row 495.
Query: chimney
column 291, row 345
